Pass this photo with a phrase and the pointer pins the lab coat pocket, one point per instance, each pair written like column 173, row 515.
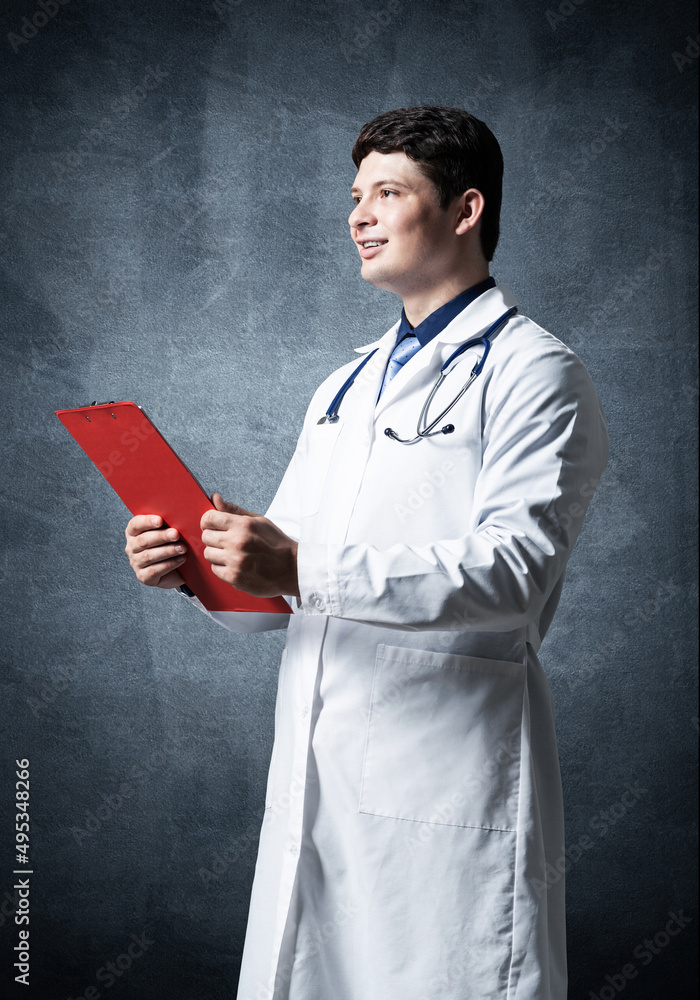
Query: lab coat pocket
column 321, row 442
column 281, row 744
column 443, row 739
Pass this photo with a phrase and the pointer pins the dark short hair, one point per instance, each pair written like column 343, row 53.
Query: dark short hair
column 455, row 151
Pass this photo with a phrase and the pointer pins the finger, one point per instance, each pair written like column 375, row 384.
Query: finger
column 143, row 522
column 214, row 555
column 151, row 575
column 224, row 573
column 229, row 508
column 161, row 554
column 152, row 539
column 217, row 520
column 215, row 538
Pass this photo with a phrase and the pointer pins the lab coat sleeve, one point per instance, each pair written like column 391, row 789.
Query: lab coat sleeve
column 545, row 446
column 283, row 511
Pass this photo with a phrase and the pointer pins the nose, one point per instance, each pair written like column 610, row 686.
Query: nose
column 361, row 215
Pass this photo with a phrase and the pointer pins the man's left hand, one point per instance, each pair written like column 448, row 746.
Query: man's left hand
column 248, row 551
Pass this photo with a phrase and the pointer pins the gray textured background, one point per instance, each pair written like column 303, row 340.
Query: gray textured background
column 186, row 246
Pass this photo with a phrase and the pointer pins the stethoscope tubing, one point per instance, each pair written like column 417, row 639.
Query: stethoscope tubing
column 429, row 429
column 331, row 414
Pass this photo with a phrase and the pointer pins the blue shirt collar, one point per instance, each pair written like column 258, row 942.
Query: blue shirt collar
column 436, row 322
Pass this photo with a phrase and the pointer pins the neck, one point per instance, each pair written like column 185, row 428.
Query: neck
column 420, row 302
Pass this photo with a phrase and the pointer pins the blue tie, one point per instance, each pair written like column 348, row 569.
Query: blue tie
column 402, row 353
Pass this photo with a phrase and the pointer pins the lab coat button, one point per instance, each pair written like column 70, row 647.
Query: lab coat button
column 317, row 602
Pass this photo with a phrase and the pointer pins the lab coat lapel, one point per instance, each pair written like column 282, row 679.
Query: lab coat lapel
column 357, row 413
column 471, row 322
column 362, row 398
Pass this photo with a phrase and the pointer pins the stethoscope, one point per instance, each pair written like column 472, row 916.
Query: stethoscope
column 423, row 428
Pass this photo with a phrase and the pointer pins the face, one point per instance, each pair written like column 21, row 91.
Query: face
column 404, row 238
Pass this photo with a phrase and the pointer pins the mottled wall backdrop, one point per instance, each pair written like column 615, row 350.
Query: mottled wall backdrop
column 173, row 231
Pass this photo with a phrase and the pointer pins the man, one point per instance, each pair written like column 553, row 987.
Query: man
column 414, row 807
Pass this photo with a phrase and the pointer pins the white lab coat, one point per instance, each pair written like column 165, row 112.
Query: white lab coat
column 413, row 840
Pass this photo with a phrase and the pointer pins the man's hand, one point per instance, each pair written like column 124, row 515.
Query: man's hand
column 154, row 555
column 248, row 551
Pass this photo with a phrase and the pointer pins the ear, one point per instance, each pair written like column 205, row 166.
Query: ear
column 470, row 207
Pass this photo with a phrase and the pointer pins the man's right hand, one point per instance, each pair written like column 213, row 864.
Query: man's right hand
column 154, row 554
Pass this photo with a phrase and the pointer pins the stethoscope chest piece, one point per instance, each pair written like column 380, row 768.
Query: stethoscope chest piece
column 425, row 429
column 447, row 429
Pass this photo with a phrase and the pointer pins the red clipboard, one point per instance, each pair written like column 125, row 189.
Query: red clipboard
column 142, row 469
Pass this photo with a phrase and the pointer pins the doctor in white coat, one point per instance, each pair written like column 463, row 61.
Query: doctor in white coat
column 413, row 840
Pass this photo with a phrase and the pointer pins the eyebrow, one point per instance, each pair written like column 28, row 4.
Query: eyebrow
column 380, row 184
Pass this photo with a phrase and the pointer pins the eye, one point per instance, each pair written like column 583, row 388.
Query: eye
column 387, row 191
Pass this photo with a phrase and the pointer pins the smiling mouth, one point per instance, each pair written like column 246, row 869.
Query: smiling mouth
column 368, row 248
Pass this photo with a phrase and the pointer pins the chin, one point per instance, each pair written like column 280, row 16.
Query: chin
column 379, row 277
